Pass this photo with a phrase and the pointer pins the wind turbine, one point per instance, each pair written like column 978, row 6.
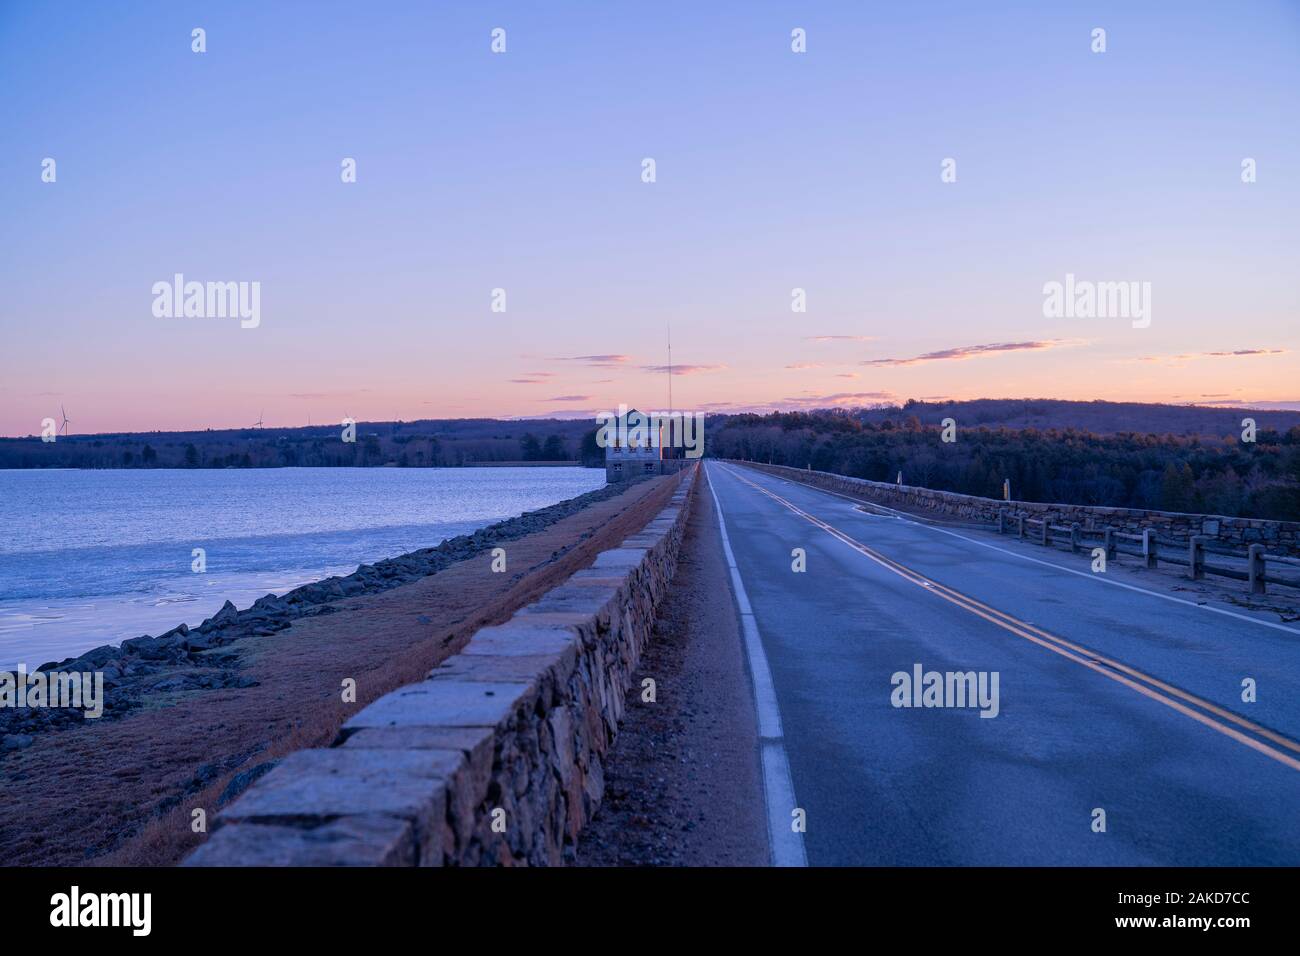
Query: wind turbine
column 65, row 421
column 258, row 423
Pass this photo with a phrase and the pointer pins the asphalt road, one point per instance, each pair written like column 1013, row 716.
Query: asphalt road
column 1110, row 697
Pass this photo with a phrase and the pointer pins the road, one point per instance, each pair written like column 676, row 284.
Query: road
column 1110, row 698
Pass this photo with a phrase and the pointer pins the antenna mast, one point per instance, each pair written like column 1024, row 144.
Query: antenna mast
column 670, row 370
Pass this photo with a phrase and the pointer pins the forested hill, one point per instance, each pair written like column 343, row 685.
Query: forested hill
column 1210, row 474
column 1103, row 418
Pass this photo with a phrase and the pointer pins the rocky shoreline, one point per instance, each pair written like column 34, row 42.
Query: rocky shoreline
column 147, row 669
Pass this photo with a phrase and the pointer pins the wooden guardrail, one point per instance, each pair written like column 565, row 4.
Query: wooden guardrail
column 1153, row 550
column 980, row 512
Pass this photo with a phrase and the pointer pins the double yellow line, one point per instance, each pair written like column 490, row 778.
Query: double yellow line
column 1205, row 712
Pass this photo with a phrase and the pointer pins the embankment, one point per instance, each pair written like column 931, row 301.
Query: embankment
column 137, row 780
column 495, row 758
column 137, row 671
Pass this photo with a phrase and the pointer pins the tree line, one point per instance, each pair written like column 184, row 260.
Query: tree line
column 427, row 444
column 1184, row 473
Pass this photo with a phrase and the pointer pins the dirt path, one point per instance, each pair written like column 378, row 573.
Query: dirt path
column 683, row 783
column 123, row 792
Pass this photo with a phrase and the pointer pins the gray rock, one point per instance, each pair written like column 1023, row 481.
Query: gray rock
column 100, row 656
column 153, row 648
column 196, row 641
column 242, row 781
column 178, row 682
column 226, row 616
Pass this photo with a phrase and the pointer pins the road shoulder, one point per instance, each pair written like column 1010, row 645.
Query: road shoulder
column 683, row 782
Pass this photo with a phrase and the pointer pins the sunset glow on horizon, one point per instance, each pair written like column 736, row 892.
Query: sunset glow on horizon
column 774, row 173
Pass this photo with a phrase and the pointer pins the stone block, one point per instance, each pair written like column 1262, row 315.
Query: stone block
column 474, row 742
column 367, row 840
column 468, row 785
column 591, row 601
column 620, row 558
column 313, row 787
column 599, row 576
column 445, row 703
column 511, row 668
column 521, row 638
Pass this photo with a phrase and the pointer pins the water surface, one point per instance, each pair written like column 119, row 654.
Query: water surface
column 95, row 557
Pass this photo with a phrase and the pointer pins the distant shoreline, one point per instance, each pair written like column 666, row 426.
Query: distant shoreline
column 469, row 464
column 426, row 444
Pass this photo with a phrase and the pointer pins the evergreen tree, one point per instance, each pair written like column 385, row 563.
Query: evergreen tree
column 1177, row 487
column 553, row 450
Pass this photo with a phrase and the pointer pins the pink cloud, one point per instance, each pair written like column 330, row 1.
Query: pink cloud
column 683, row 369
column 596, row 361
column 963, row 352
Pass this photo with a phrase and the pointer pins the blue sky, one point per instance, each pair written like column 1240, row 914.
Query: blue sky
column 522, row 171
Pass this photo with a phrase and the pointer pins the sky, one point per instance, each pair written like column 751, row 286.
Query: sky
column 523, row 171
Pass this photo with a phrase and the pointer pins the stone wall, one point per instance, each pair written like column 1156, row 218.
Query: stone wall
column 626, row 465
column 496, row 758
column 1282, row 537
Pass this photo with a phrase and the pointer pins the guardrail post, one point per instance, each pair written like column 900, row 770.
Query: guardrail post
column 1020, row 526
column 1196, row 557
column 1047, row 534
column 1074, row 538
column 1255, row 561
column 1108, row 542
column 1149, row 547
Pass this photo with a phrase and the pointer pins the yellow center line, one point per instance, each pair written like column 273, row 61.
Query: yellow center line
column 1150, row 687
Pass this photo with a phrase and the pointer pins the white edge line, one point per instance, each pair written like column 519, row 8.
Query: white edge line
column 778, row 787
column 1048, row 564
column 787, row 843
